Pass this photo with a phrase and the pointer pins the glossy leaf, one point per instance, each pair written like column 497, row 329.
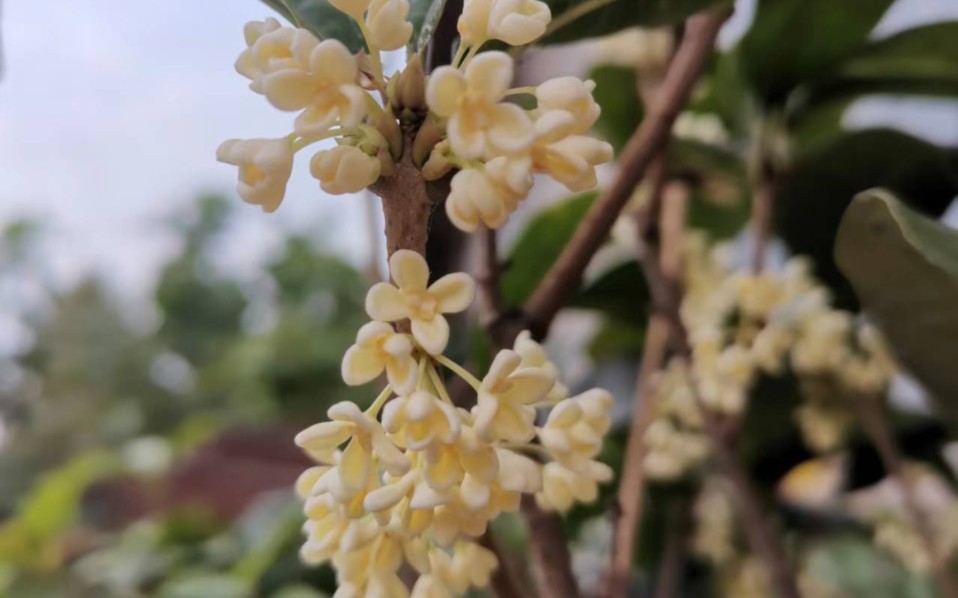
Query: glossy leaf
column 320, row 17
column 424, row 15
column 791, row 43
column 539, row 246
column 620, row 14
column 811, row 203
column 620, row 293
column 904, row 268
column 616, row 92
column 919, row 61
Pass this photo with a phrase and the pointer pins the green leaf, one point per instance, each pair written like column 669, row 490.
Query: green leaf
column 791, row 43
column 919, row 61
column 616, row 15
column 621, row 293
column 616, row 92
column 904, row 268
column 811, row 203
column 324, row 20
column 424, row 15
column 539, row 245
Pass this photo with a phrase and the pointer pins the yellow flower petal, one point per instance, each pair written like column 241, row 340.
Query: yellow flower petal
column 432, row 335
column 489, row 75
column 446, row 86
column 361, row 364
column 454, row 292
column 385, row 303
column 353, row 467
column 409, row 270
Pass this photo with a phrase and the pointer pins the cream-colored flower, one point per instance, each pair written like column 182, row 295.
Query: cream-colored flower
column 366, row 441
column 273, row 49
column 411, row 298
column 353, row 8
column 488, row 195
column 330, row 90
column 379, row 347
column 344, row 169
column 420, row 419
column 571, row 95
column 575, row 427
column 479, row 124
column 447, row 464
column 570, row 159
column 516, row 22
column 451, row 576
column 563, row 487
column 534, row 356
column 264, row 169
column 387, row 24
column 504, row 407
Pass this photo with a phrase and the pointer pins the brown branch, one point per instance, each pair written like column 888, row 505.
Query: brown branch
column 489, row 273
column 506, row 578
column 876, row 428
column 565, row 276
column 550, row 552
column 676, row 550
column 373, row 271
column 631, row 493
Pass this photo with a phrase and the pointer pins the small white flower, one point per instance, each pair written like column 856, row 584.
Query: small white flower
column 344, row 169
column 410, row 298
column 387, row 24
column 479, row 125
column 572, row 95
column 490, row 194
column 516, row 22
column 264, row 168
column 378, row 347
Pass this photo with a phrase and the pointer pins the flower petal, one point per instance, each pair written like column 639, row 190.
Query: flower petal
column 353, row 467
column 432, row 335
column 454, row 292
column 511, row 130
column 323, row 435
column 289, row 89
column 528, row 385
column 361, row 364
column 409, row 270
column 402, row 374
column 489, row 75
column 385, row 303
column 446, row 85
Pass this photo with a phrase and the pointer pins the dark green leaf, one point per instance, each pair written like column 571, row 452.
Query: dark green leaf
column 904, row 268
column 791, row 42
column 620, row 14
column 920, row 61
column 811, row 203
column 539, row 245
column 320, row 17
column 616, row 91
column 621, row 293
column 423, row 14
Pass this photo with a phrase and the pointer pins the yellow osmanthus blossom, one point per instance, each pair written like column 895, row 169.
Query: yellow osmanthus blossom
column 415, row 479
column 504, row 407
column 516, row 22
column 488, row 195
column 411, row 299
column 742, row 326
column 479, row 123
column 379, row 347
column 264, row 169
column 344, row 169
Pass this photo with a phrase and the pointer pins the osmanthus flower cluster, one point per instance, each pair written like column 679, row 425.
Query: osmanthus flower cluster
column 459, row 121
column 415, row 478
column 743, row 325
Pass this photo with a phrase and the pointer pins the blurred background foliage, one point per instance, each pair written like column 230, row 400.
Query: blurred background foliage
column 157, row 460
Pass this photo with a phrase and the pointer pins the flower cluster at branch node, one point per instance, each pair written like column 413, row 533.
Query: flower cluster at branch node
column 415, row 477
column 459, row 121
column 743, row 326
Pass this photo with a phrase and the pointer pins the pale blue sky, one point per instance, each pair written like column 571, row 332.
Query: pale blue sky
column 110, row 113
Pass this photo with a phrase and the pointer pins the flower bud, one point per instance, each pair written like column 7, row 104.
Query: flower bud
column 387, row 24
column 387, row 125
column 264, row 169
column 344, row 169
column 412, row 85
column 426, row 139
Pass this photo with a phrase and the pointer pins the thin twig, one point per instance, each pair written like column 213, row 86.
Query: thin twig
column 565, row 275
column 669, row 577
column 489, row 273
column 876, row 428
column 631, row 494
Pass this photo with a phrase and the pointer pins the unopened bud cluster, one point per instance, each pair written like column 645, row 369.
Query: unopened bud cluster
column 415, row 478
column 459, row 119
column 742, row 326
